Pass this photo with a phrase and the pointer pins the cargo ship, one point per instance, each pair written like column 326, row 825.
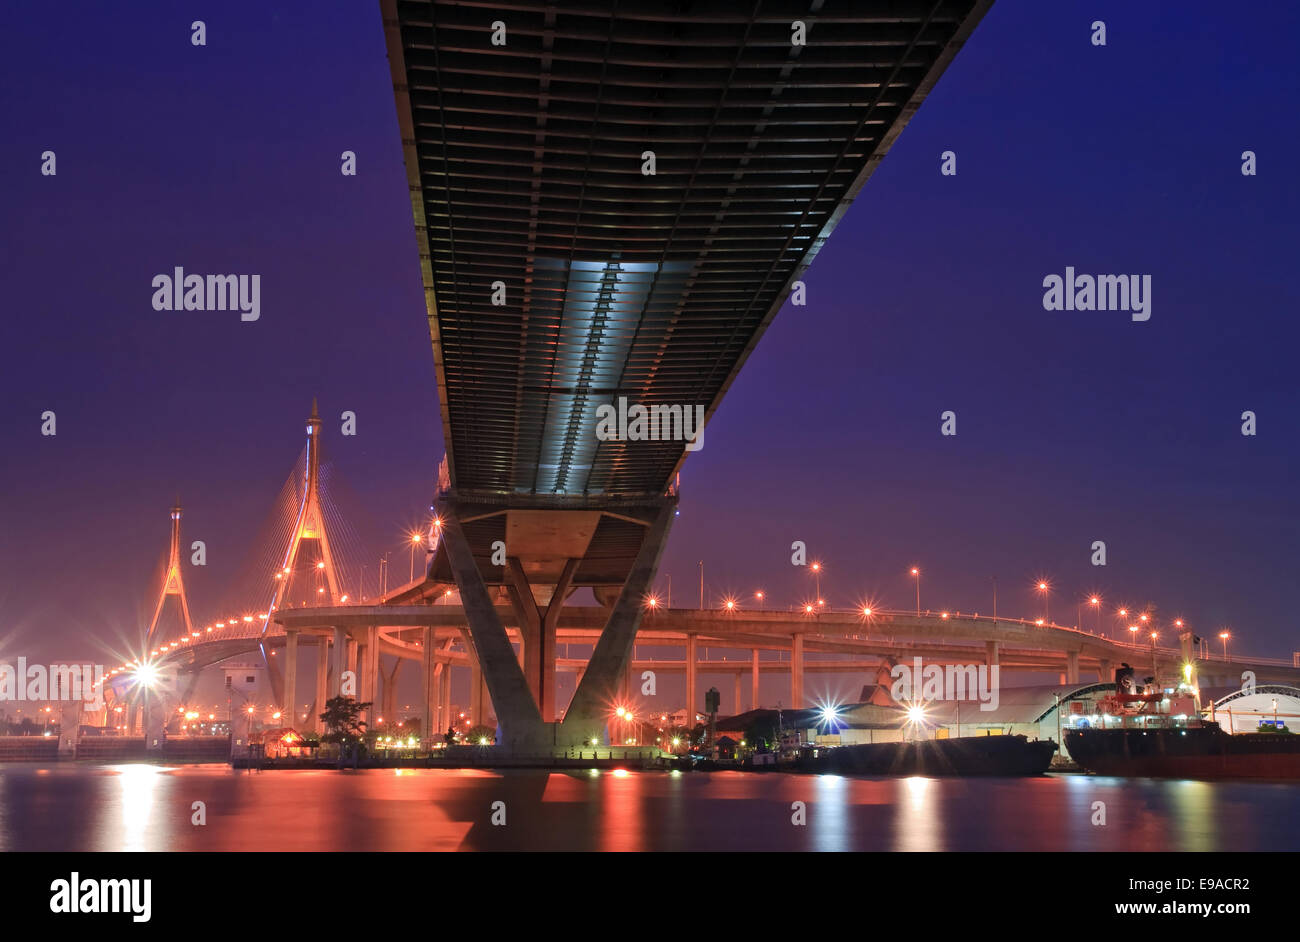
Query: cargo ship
column 964, row 755
column 1157, row 731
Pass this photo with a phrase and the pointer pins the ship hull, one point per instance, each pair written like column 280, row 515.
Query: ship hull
column 1197, row 752
column 970, row 755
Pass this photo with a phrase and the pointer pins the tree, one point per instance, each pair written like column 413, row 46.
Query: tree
column 761, row 732
column 477, row 734
column 342, row 719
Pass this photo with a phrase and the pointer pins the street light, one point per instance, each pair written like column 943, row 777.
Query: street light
column 1224, row 635
column 1095, row 602
column 415, row 541
column 759, row 595
column 917, row 573
column 817, row 573
column 1044, row 588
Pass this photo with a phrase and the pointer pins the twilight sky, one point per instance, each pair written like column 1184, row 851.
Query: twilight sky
column 1072, row 426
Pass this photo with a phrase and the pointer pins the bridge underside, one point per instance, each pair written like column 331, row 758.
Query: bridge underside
column 612, row 201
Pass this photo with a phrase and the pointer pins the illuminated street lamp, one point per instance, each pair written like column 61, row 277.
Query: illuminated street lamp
column 759, row 595
column 1044, row 588
column 817, row 573
column 917, row 574
column 1095, row 602
column 415, row 541
column 1224, row 636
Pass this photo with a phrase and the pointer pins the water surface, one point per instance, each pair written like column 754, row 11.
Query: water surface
column 141, row 806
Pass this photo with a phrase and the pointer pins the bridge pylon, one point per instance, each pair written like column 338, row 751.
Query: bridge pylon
column 173, row 584
column 309, row 525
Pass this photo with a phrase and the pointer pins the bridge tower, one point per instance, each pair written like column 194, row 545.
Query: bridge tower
column 309, row 525
column 173, row 584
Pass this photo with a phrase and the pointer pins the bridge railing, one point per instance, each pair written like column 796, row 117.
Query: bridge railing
column 1136, row 646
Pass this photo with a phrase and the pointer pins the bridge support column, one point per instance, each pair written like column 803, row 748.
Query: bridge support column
column 753, row 691
column 1105, row 672
column 340, row 663
column 736, row 707
column 69, row 728
column 289, row 709
column 586, row 715
column 155, row 718
column 1071, row 667
column 478, row 693
column 370, row 675
column 521, row 721
column 428, row 687
column 796, row 673
column 447, row 721
column 690, row 682
column 390, row 690
column 322, row 682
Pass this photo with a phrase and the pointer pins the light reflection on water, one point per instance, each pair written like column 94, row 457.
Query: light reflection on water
column 136, row 806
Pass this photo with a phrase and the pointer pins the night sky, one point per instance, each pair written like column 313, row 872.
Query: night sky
column 1072, row 426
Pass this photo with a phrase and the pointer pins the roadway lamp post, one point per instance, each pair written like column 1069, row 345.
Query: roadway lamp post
column 1095, row 602
column 1155, row 671
column 916, row 573
column 1223, row 635
column 1047, row 603
column 415, row 541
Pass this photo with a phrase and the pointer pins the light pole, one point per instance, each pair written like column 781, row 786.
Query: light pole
column 759, row 595
column 1095, row 602
column 1154, row 669
column 817, row 575
column 701, row 585
column 415, row 541
column 1224, row 636
column 1047, row 604
column 917, row 573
